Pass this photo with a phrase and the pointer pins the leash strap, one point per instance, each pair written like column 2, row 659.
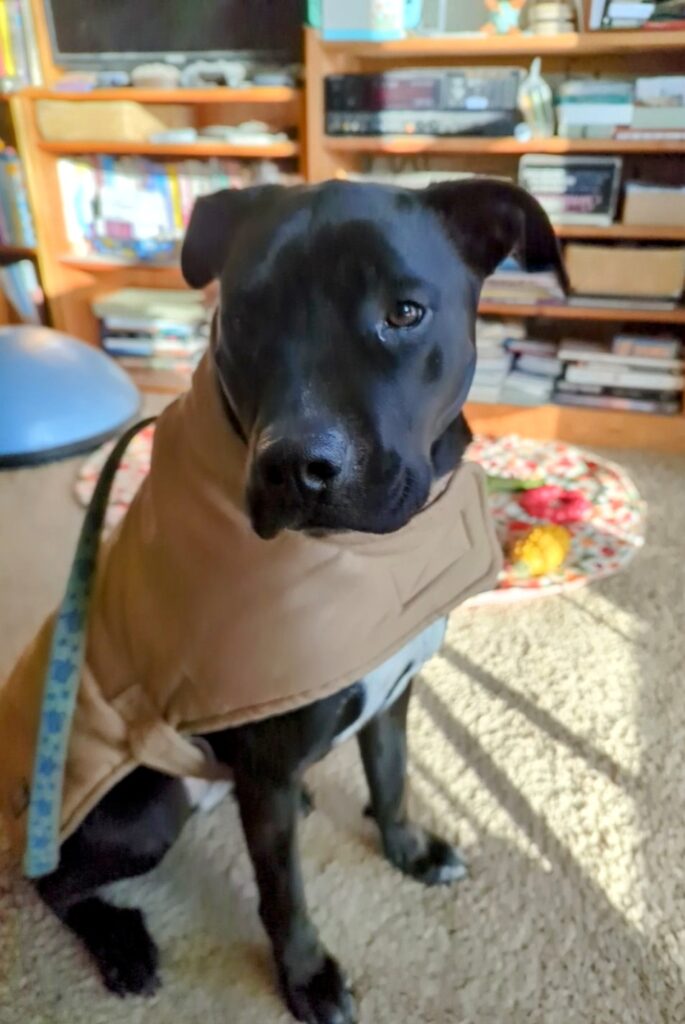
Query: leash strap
column 63, row 677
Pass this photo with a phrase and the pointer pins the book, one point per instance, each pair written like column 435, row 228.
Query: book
column 133, row 209
column 660, row 91
column 625, row 377
column 655, row 407
column 638, row 10
column 517, row 286
column 596, row 353
column 658, row 346
column 19, row 65
column 16, row 222
column 659, row 118
column 595, row 113
column 620, row 302
column 615, row 392
column 532, row 346
column 543, row 366
column 19, row 283
column 597, row 8
column 573, row 189
column 650, row 134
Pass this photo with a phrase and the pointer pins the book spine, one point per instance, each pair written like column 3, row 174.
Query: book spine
column 18, row 41
column 6, row 42
column 13, row 226
column 25, row 230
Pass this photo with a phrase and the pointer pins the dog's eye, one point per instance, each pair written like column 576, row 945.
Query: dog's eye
column 405, row 314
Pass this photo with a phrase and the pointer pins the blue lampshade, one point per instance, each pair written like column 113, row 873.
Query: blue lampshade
column 58, row 396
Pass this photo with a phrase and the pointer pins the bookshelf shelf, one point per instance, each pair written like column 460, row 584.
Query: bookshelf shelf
column 18, row 252
column 580, row 426
column 632, row 232
column 163, row 275
column 219, row 95
column 571, row 44
column 407, row 145
column 274, row 150
column 563, row 311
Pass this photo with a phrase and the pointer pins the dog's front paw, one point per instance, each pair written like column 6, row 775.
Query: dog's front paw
column 423, row 856
column 125, row 952
column 324, row 997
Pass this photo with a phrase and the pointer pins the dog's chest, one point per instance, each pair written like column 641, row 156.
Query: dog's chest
column 375, row 692
column 381, row 688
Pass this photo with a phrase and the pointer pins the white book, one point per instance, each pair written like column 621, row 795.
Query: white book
column 595, row 113
column 589, row 352
column 630, row 9
column 540, row 386
column 624, row 377
column 543, row 366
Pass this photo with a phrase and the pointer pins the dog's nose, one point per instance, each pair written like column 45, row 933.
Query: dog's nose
column 310, row 464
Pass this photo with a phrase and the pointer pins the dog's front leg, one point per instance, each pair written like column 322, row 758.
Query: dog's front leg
column 416, row 852
column 313, row 984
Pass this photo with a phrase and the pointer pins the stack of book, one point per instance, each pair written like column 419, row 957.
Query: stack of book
column 623, row 13
column 16, row 223
column 19, row 62
column 510, row 284
column 535, row 370
column 494, row 359
column 634, row 373
column 659, row 112
column 668, row 16
column 594, row 108
column 132, row 209
column 154, row 329
column 574, row 189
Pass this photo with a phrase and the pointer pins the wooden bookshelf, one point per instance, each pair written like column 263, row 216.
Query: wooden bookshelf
column 16, row 252
column 271, row 151
column 566, row 311
column 622, row 232
column 457, row 47
column 410, row 145
column 590, row 427
column 620, row 53
column 219, row 96
column 71, row 282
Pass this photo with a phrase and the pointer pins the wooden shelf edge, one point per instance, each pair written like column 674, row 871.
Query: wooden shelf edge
column 18, row 251
column 273, row 151
column 636, row 232
column 562, row 311
column 568, row 44
column 220, row 95
column 590, row 427
column 406, row 145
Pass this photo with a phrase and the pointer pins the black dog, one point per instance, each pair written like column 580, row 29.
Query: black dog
column 345, row 350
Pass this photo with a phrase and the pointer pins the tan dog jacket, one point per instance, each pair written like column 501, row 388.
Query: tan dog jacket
column 197, row 624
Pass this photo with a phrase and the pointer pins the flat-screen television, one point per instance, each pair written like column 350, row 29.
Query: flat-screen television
column 92, row 34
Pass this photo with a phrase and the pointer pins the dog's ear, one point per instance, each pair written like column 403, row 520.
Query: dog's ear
column 488, row 219
column 214, row 223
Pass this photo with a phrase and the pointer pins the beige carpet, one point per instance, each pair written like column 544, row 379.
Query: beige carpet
column 548, row 740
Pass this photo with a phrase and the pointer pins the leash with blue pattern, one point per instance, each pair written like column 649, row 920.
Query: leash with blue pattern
column 63, row 677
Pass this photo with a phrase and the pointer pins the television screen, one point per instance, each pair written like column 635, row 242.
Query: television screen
column 124, row 32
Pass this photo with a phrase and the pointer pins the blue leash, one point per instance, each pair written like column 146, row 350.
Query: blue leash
column 63, row 677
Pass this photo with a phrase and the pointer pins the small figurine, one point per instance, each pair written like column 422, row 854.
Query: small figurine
column 505, row 16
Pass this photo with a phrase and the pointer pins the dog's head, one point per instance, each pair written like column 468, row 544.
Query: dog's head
column 345, row 336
